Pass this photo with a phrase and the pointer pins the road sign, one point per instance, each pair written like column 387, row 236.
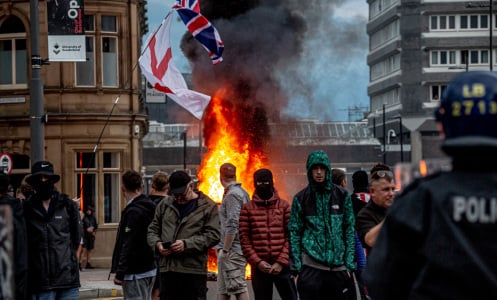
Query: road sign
column 6, row 164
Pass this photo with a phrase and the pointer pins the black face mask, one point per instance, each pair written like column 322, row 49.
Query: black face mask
column 265, row 191
column 44, row 189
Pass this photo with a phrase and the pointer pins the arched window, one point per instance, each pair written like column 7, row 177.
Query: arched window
column 13, row 54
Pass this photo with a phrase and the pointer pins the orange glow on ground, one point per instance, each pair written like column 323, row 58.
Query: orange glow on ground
column 212, row 264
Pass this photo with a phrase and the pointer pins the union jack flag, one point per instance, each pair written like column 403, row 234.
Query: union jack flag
column 157, row 66
column 201, row 28
column 191, row 4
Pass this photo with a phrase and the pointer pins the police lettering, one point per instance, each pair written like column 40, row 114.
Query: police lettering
column 474, row 209
column 73, row 11
column 477, row 90
column 469, row 107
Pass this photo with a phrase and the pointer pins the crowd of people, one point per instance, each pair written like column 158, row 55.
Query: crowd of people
column 424, row 242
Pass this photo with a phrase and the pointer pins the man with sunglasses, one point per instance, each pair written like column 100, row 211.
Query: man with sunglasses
column 438, row 239
column 184, row 227
column 370, row 218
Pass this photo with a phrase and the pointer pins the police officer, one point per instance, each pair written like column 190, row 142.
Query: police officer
column 438, row 240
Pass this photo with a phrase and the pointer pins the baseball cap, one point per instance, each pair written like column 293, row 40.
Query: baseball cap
column 178, row 181
column 42, row 168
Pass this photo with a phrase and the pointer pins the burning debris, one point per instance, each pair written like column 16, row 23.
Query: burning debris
column 236, row 134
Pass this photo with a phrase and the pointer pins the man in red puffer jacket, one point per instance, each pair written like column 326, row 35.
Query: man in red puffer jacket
column 264, row 239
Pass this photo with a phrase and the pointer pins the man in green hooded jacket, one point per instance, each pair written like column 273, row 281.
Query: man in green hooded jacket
column 322, row 234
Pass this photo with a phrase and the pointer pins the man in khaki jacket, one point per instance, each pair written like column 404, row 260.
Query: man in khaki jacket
column 185, row 226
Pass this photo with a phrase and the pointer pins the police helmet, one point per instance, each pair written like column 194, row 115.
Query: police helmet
column 468, row 111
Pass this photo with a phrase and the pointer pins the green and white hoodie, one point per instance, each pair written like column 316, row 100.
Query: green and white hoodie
column 322, row 221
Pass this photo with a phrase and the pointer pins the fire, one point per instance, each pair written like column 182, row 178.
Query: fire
column 228, row 140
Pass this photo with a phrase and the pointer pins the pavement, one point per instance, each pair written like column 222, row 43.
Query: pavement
column 96, row 284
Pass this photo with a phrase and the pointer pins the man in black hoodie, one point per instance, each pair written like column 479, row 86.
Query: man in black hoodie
column 133, row 260
column 53, row 231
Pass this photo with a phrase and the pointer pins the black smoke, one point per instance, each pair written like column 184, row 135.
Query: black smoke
column 276, row 50
column 281, row 60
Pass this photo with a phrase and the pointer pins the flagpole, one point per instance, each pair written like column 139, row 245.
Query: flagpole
column 116, row 101
column 155, row 31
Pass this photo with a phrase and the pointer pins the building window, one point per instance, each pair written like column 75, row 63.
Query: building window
column 104, row 168
column 473, row 22
column 452, row 22
column 101, row 35
column 478, row 57
column 442, row 23
column 484, row 21
column 443, row 57
column 109, row 51
column 385, row 35
column 85, row 71
column 385, row 67
column 436, row 92
column 13, row 54
column 112, row 182
column 390, row 97
column 464, row 22
column 434, row 22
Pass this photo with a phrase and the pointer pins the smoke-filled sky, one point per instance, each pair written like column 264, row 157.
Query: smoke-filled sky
column 303, row 59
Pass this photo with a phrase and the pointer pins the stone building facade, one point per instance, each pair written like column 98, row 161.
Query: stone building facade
column 93, row 114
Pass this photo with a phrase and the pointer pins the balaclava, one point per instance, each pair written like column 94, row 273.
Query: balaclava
column 265, row 189
column 44, row 189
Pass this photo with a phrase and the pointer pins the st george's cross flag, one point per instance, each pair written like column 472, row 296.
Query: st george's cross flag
column 157, row 66
column 200, row 28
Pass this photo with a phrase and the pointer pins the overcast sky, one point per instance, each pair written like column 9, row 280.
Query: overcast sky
column 339, row 76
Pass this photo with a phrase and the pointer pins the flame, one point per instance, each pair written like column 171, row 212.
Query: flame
column 81, row 182
column 423, row 169
column 226, row 143
column 227, row 140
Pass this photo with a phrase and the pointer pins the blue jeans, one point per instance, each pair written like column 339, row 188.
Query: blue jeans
column 59, row 294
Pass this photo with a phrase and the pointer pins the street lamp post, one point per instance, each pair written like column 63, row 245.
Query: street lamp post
column 490, row 40
column 384, row 136
column 36, row 88
column 401, row 139
column 183, row 135
column 401, row 133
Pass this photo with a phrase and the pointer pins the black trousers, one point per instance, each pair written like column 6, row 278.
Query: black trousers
column 182, row 286
column 262, row 284
column 313, row 283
